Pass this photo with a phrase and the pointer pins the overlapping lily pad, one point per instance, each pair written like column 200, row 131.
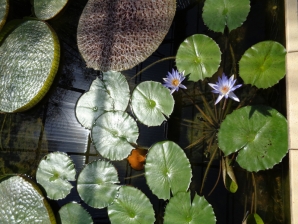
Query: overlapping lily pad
column 199, row 56
column 258, row 133
column 54, row 172
column 4, row 8
column 97, row 184
column 167, row 169
column 263, row 65
column 74, row 213
column 47, row 9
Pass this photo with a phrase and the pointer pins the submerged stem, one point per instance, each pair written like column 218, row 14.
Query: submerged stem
column 255, row 193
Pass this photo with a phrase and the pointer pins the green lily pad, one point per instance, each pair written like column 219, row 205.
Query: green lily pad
column 4, row 9
column 263, row 65
column 217, row 14
column 74, row 213
column 113, row 133
column 47, row 9
column 152, row 103
column 97, row 184
column 167, row 169
column 22, row 202
column 258, row 133
column 131, row 207
column 199, row 56
column 254, row 219
column 28, row 65
column 91, row 105
column 181, row 209
column 115, row 84
column 54, row 172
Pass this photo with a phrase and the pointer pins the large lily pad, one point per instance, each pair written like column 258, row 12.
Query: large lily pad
column 29, row 62
column 199, row 56
column 167, row 169
column 54, row 172
column 4, row 8
column 258, row 133
column 22, row 202
column 152, row 103
column 74, row 213
column 97, row 184
column 131, row 207
column 263, row 65
column 181, row 209
column 47, row 9
column 217, row 14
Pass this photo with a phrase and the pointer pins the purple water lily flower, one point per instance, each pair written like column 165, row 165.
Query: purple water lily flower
column 173, row 80
column 225, row 87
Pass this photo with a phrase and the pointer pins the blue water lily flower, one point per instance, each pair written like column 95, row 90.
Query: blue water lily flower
column 173, row 80
column 225, row 87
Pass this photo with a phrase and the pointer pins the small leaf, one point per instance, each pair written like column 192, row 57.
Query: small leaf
column 181, row 209
column 54, row 172
column 131, row 207
column 263, row 65
column 254, row 219
column 113, row 133
column 198, row 56
column 74, row 213
column 97, row 184
column 152, row 103
column 4, row 9
column 230, row 179
column 167, row 169
column 47, row 9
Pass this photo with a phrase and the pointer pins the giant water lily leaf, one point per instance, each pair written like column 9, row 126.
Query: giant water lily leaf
column 54, row 172
column 263, row 65
column 199, row 56
column 167, row 169
column 47, row 9
column 28, row 65
column 22, row 202
column 115, row 84
column 97, row 184
column 4, row 8
column 258, row 133
column 131, row 207
column 73, row 213
column 113, row 133
column 217, row 14
column 181, row 209
column 152, row 103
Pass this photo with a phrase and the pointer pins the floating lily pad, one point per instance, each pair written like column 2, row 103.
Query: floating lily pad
column 131, row 207
column 113, row 133
column 4, row 8
column 181, row 209
column 47, row 9
column 167, row 169
column 28, row 65
column 73, row 213
column 22, row 202
column 263, row 65
column 258, row 133
column 152, row 103
column 97, row 184
column 217, row 14
column 54, row 172
column 199, row 56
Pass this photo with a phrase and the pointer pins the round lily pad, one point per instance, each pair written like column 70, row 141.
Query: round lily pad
column 152, row 103
column 97, row 184
column 199, row 56
column 263, row 65
column 54, row 172
column 22, row 202
column 47, row 9
column 217, row 14
column 113, row 133
column 131, row 207
column 181, row 209
column 167, row 169
column 258, row 133
column 74, row 213
column 4, row 8
column 29, row 62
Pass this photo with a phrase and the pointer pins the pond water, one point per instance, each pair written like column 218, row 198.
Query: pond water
column 52, row 126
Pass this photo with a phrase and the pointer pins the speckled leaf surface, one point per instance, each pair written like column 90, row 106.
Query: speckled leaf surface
column 29, row 62
column 74, row 213
column 4, row 8
column 167, row 169
column 47, row 9
column 131, row 207
column 54, row 172
column 97, row 184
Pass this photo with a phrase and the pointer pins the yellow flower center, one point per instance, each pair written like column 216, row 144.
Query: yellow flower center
column 225, row 89
column 175, row 82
